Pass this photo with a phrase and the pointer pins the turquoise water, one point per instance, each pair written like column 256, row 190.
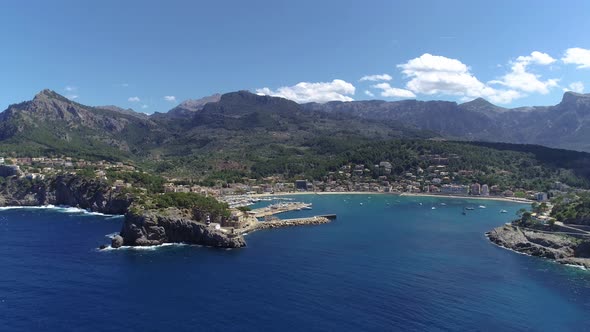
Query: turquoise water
column 388, row 264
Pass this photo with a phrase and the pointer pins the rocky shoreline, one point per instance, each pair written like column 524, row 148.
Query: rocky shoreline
column 66, row 190
column 140, row 227
column 563, row 249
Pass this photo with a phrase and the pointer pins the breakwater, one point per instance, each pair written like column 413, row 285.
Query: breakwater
column 317, row 220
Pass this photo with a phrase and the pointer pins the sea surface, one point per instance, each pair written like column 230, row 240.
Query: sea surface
column 387, row 263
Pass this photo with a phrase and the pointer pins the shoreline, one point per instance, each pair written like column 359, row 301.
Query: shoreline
column 491, row 198
column 554, row 247
column 580, row 267
column 60, row 208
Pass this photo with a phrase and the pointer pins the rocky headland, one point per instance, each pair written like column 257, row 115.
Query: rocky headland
column 139, row 228
column 150, row 228
column 67, row 190
column 562, row 248
column 143, row 226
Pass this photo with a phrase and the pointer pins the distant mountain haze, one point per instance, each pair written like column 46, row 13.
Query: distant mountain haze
column 51, row 121
column 565, row 125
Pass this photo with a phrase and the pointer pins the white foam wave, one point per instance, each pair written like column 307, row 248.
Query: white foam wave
column 62, row 209
column 577, row 266
column 148, row 248
column 4, row 208
column 112, row 235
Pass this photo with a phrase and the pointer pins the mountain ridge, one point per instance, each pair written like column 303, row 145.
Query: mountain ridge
column 564, row 125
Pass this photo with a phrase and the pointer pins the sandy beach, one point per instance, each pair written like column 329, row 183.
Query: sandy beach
column 495, row 198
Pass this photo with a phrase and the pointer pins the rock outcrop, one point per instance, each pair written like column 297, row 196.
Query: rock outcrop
column 150, row 228
column 564, row 249
column 69, row 190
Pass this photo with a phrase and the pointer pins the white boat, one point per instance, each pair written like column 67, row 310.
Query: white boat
column 433, row 208
column 503, row 211
column 482, row 206
column 443, row 204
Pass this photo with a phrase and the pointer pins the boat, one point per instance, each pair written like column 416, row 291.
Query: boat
column 443, row 204
column 503, row 211
column 469, row 208
column 482, row 206
column 433, row 208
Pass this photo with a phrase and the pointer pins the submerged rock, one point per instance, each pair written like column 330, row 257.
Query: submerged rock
column 117, row 241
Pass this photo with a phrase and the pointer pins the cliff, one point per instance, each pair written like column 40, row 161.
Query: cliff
column 175, row 218
column 563, row 249
column 67, row 190
column 139, row 229
column 150, row 228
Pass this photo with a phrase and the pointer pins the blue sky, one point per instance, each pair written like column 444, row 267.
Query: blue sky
column 150, row 55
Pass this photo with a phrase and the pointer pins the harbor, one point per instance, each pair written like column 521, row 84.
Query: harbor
column 279, row 208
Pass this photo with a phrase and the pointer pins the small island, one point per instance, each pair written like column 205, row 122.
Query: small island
column 560, row 232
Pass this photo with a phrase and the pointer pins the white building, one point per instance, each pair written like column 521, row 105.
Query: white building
column 485, row 190
column 541, row 196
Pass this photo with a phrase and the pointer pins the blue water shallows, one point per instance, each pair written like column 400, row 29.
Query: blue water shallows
column 388, row 264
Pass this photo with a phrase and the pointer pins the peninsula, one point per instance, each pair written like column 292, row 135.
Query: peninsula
column 560, row 232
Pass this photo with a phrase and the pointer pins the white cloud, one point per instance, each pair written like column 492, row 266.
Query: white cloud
column 521, row 79
column 432, row 74
column 388, row 91
column 577, row 56
column 373, row 78
column 70, row 88
column 319, row 92
column 72, row 97
column 134, row 99
column 369, row 93
column 170, row 98
column 536, row 57
column 575, row 87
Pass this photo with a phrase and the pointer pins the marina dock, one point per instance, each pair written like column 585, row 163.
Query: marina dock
column 279, row 208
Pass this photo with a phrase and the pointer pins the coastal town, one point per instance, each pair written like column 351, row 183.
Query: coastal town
column 438, row 178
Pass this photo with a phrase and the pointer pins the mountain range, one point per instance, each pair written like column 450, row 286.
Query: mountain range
column 240, row 122
column 565, row 125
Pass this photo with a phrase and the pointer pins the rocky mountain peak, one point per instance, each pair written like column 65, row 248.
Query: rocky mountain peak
column 45, row 93
column 482, row 105
column 187, row 108
column 573, row 98
column 197, row 104
column 48, row 94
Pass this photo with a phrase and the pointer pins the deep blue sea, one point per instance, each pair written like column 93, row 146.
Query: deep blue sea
column 388, row 264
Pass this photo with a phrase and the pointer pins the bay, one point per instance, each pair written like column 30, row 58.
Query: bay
column 386, row 263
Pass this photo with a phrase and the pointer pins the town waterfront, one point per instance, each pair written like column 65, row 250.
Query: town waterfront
column 387, row 263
